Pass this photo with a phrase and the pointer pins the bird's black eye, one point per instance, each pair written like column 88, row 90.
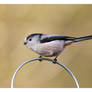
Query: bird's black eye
column 30, row 39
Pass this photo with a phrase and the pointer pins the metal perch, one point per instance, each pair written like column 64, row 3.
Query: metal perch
column 47, row 59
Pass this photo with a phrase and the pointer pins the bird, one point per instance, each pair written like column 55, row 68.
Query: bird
column 50, row 45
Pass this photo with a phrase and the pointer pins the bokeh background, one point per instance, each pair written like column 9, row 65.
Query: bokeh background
column 17, row 21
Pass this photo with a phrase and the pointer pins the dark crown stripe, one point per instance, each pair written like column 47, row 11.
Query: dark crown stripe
column 32, row 35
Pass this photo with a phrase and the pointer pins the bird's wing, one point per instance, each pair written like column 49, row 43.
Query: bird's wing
column 49, row 38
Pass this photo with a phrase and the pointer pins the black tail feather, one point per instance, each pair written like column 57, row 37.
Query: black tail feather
column 82, row 38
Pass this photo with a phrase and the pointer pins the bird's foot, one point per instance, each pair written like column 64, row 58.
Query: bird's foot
column 55, row 60
column 40, row 58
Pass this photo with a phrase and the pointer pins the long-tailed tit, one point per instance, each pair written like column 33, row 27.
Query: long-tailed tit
column 50, row 45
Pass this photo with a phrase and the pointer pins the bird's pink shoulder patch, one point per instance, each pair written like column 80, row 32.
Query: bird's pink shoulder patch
column 43, row 36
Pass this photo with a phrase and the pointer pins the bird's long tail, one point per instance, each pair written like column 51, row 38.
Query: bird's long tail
column 82, row 38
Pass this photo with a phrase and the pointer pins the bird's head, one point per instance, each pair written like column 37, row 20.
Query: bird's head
column 32, row 39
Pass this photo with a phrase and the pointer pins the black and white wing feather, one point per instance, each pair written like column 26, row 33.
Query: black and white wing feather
column 49, row 38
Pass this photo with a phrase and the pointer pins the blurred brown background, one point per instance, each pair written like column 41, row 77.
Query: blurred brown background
column 16, row 21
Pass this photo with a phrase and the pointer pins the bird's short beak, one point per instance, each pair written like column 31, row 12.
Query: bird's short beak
column 25, row 43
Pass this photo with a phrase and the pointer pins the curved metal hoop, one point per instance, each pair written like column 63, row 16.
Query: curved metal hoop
column 47, row 59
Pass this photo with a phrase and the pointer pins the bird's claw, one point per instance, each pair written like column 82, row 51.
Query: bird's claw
column 40, row 58
column 54, row 61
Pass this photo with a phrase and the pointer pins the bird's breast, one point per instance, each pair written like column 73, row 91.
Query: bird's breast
column 50, row 49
